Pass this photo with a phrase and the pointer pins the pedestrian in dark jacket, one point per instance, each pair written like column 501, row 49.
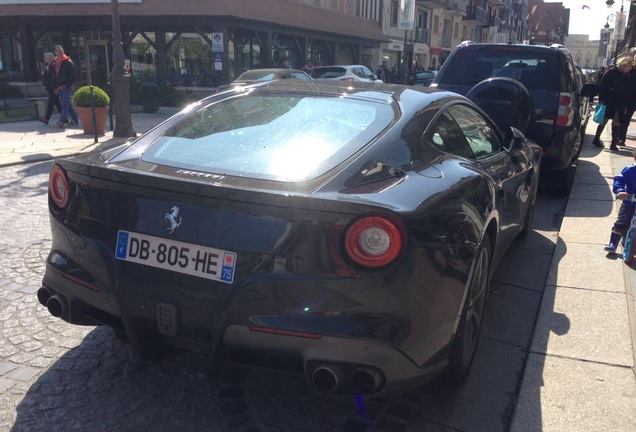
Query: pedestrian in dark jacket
column 631, row 105
column 64, row 80
column 48, row 80
column 614, row 93
column 624, row 187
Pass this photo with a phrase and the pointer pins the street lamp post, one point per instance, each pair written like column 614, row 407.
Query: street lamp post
column 618, row 26
column 120, row 81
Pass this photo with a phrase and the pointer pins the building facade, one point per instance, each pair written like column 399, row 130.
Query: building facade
column 194, row 42
column 204, row 43
column 585, row 52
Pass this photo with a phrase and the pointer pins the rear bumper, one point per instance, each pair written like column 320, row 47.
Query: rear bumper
column 347, row 359
column 373, row 335
column 562, row 149
column 331, row 364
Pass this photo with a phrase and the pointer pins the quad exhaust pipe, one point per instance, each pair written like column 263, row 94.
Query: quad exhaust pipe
column 44, row 295
column 366, row 380
column 326, row 378
column 329, row 378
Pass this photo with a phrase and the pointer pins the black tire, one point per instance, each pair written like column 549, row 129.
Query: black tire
column 466, row 338
column 121, row 337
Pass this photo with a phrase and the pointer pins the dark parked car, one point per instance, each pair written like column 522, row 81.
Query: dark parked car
column 423, row 78
column 349, row 231
column 259, row 75
column 559, row 98
column 345, row 73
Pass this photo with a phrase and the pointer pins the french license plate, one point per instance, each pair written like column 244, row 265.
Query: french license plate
column 191, row 259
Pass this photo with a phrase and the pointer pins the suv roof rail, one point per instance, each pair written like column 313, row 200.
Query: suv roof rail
column 560, row 47
column 466, row 42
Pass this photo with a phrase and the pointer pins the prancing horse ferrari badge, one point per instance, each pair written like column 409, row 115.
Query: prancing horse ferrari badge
column 172, row 219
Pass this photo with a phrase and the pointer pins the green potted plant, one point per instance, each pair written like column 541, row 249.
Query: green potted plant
column 83, row 100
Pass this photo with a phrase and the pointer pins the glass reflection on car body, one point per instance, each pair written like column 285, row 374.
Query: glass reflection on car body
column 273, row 137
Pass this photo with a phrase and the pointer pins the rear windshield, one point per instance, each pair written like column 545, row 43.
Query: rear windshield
column 285, row 137
column 537, row 70
column 257, row 75
column 328, row 72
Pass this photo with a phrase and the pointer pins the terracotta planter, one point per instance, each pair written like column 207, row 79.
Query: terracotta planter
column 86, row 118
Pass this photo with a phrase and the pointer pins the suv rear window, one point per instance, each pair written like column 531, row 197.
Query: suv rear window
column 537, row 70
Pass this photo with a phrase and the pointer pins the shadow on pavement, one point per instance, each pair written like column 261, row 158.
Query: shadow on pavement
column 100, row 385
column 22, row 183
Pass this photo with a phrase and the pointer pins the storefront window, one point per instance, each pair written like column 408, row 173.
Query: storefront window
column 320, row 53
column 142, row 58
column 10, row 59
column 247, row 53
column 190, row 61
column 285, row 47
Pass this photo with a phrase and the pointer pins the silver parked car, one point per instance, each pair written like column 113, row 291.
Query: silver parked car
column 253, row 76
column 345, row 73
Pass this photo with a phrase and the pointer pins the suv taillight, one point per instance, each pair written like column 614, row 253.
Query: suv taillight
column 565, row 115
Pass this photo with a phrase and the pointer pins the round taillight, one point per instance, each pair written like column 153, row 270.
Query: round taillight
column 375, row 241
column 58, row 186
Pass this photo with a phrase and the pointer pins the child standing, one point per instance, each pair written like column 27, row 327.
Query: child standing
column 624, row 186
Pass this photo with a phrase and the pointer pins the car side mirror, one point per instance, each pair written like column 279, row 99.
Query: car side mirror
column 514, row 139
column 589, row 90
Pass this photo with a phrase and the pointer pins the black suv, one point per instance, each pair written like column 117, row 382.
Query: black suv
column 556, row 97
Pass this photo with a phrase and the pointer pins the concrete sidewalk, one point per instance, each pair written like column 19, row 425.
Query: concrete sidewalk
column 579, row 375
column 33, row 141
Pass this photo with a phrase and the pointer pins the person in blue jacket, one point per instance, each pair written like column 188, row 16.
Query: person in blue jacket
column 624, row 186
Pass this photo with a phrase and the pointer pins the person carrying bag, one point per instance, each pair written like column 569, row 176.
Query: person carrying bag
column 614, row 95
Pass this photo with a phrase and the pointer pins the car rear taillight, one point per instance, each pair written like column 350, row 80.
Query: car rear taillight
column 375, row 241
column 58, row 186
column 566, row 111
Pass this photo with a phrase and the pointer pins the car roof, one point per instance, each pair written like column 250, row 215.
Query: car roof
column 268, row 71
column 381, row 92
column 342, row 66
column 512, row 47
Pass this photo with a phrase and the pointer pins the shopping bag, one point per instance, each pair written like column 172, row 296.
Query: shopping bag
column 599, row 114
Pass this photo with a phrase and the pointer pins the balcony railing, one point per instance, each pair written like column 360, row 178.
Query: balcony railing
column 456, row 7
column 421, row 35
column 433, row 3
column 478, row 15
column 446, row 41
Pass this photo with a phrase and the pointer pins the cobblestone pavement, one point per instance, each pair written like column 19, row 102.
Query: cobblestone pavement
column 58, row 377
